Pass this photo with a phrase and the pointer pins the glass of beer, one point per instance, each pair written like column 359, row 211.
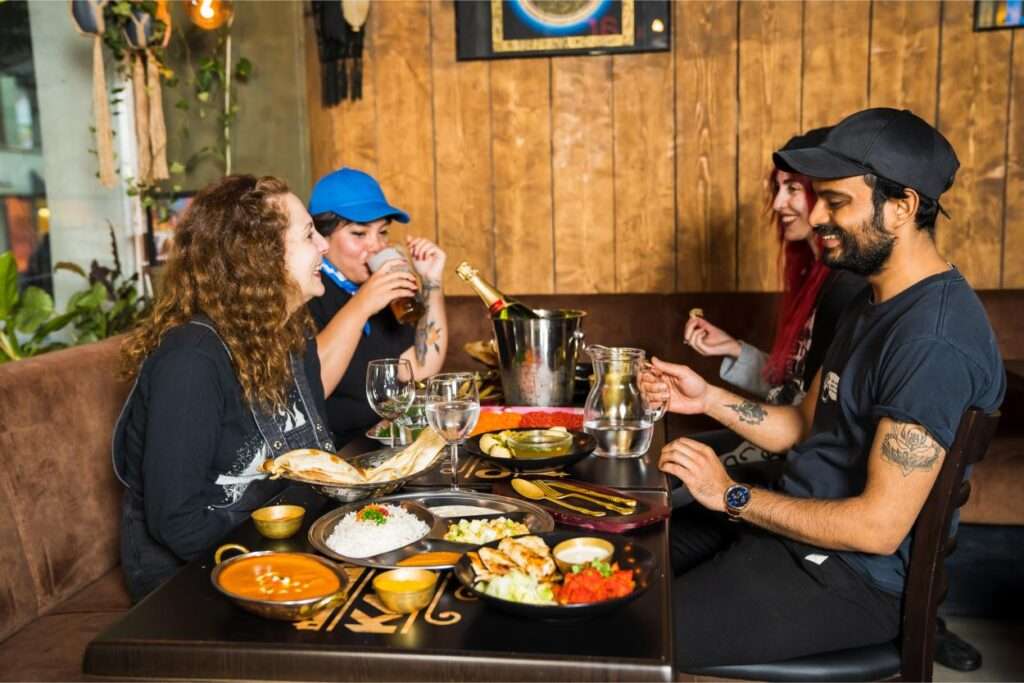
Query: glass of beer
column 407, row 309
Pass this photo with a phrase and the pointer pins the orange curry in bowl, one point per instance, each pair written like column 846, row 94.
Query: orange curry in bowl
column 278, row 577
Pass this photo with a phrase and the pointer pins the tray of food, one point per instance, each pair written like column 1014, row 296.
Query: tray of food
column 557, row 575
column 430, row 530
column 531, row 449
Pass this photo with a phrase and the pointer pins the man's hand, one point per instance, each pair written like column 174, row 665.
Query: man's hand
column 697, row 465
column 382, row 288
column 427, row 258
column 680, row 387
column 709, row 340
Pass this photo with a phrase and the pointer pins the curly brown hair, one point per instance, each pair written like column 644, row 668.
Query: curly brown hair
column 228, row 262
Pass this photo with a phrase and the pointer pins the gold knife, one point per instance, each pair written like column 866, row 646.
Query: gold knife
column 590, row 492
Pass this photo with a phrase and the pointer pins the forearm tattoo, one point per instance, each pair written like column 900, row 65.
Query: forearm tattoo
column 428, row 335
column 749, row 412
column 427, row 287
column 911, row 447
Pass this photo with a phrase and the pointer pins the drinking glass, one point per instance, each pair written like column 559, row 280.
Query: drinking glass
column 390, row 388
column 453, row 406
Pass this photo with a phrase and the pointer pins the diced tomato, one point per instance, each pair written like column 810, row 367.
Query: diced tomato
column 588, row 585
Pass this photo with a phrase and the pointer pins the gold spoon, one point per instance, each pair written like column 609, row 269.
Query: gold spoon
column 527, row 489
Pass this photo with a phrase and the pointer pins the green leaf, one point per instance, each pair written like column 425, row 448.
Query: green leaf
column 203, row 96
column 182, row 105
column 123, row 8
column 177, row 168
column 8, row 284
column 243, row 69
column 55, row 323
column 36, row 308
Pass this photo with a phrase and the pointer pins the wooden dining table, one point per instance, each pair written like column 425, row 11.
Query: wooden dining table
column 186, row 629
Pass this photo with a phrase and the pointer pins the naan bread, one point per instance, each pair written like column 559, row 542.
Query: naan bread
column 310, row 463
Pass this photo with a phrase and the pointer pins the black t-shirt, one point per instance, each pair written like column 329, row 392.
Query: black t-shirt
column 348, row 412
column 189, row 444
column 925, row 356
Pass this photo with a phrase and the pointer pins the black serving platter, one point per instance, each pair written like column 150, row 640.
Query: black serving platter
column 583, row 444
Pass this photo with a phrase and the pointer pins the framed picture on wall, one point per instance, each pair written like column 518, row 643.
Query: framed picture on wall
column 495, row 29
column 996, row 14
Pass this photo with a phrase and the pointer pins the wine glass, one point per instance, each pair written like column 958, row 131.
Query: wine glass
column 453, row 406
column 390, row 388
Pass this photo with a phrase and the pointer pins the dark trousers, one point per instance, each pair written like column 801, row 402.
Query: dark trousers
column 744, row 596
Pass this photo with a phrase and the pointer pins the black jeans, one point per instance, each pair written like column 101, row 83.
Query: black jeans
column 744, row 596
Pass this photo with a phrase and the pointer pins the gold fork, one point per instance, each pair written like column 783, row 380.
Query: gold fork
column 559, row 495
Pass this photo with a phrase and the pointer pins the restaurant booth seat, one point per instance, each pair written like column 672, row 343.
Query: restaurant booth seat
column 60, row 580
column 911, row 657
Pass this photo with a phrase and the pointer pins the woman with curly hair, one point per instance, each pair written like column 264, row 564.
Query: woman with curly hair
column 226, row 375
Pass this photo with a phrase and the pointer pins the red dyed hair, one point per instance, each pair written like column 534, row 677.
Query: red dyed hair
column 802, row 278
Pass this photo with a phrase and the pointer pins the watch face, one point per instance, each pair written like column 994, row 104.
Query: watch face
column 737, row 496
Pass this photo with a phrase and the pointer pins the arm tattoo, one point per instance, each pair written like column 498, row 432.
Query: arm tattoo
column 911, row 447
column 428, row 335
column 427, row 287
column 749, row 412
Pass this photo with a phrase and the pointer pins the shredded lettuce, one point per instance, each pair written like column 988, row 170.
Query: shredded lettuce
column 519, row 587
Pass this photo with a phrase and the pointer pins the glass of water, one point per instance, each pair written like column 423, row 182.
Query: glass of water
column 452, row 407
column 390, row 389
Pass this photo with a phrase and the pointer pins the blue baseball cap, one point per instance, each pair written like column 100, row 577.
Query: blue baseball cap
column 353, row 195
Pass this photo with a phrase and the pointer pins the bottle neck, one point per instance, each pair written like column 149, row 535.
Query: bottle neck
column 494, row 299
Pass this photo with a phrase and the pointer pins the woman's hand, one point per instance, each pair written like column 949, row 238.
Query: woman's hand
column 427, row 258
column 678, row 386
column 383, row 287
column 699, row 468
column 709, row 340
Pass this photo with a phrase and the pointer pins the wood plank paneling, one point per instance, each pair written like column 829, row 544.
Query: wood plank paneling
column 835, row 75
column 582, row 174
column 521, row 125
column 323, row 136
column 644, row 173
column 905, row 55
column 1013, row 245
column 769, row 114
column 405, row 129
column 974, row 87
column 706, row 119
column 462, row 113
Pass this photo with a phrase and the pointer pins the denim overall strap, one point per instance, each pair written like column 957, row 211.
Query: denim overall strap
column 324, row 440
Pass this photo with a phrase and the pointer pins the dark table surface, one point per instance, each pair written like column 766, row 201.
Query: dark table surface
column 186, row 629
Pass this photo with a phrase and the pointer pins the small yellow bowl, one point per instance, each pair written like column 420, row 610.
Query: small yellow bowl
column 581, row 550
column 279, row 521
column 405, row 590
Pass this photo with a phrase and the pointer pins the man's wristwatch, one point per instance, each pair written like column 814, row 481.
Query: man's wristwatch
column 737, row 497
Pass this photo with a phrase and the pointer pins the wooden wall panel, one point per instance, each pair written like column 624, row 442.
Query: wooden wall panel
column 835, row 75
column 706, row 118
column 905, row 55
column 521, row 145
column 582, row 174
column 1013, row 244
column 323, row 137
column 769, row 114
column 974, row 88
column 405, row 130
column 647, row 172
column 465, row 187
column 644, row 173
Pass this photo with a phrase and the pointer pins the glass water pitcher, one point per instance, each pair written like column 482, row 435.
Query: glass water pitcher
column 615, row 413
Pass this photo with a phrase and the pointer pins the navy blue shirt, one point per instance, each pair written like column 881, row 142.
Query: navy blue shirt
column 924, row 356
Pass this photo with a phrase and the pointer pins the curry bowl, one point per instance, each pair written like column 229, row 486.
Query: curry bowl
column 580, row 551
column 278, row 585
column 405, row 590
column 278, row 521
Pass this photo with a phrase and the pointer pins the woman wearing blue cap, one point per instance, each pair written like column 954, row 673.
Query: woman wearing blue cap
column 350, row 210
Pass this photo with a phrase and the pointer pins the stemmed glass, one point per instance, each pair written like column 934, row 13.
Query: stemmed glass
column 390, row 389
column 453, row 406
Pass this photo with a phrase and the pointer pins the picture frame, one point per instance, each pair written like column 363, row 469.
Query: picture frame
column 995, row 15
column 503, row 29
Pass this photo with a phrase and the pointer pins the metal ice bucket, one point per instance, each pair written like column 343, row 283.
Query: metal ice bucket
column 538, row 357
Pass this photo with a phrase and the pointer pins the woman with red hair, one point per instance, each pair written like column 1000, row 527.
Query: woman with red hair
column 814, row 296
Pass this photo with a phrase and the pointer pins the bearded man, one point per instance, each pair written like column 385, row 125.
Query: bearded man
column 820, row 561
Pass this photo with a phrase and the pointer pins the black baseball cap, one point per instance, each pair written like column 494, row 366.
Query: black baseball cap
column 891, row 143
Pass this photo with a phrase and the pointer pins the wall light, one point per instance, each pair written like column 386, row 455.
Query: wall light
column 209, row 14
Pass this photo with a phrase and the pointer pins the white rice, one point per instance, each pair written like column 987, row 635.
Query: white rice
column 353, row 538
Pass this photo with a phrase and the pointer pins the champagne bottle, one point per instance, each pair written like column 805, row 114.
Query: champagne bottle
column 500, row 306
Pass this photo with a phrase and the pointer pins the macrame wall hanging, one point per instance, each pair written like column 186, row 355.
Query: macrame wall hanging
column 339, row 31
column 88, row 18
column 150, row 130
